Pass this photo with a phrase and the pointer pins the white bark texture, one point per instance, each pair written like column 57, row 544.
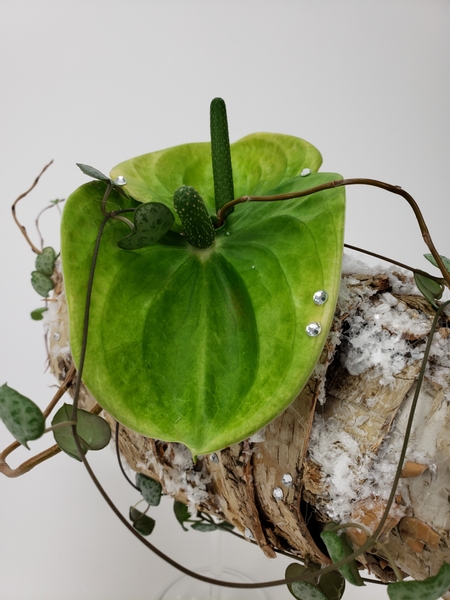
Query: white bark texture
column 339, row 440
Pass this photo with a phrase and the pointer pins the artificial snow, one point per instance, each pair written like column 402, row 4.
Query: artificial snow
column 377, row 341
column 352, row 476
column 379, row 332
column 181, row 477
column 258, row 437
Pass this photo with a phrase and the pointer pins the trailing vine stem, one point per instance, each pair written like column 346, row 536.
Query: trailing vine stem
column 395, row 262
column 86, row 325
column 289, row 554
column 114, row 215
column 119, row 460
column 394, row 189
column 391, row 561
column 109, row 188
column 36, row 222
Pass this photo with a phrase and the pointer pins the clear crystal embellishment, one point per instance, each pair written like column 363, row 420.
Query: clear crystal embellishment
column 313, row 329
column 320, row 297
column 248, row 534
column 120, row 180
column 278, row 493
column 214, row 458
column 56, row 336
column 305, row 172
column 287, row 479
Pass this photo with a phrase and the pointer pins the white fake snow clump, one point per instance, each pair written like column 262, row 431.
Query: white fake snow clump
column 376, row 344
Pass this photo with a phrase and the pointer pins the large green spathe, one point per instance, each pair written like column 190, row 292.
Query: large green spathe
column 205, row 347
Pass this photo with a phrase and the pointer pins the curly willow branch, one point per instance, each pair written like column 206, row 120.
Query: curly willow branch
column 13, row 209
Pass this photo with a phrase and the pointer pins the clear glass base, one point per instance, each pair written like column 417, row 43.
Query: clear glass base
column 188, row 588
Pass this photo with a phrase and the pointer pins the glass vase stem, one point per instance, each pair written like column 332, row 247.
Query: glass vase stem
column 216, row 557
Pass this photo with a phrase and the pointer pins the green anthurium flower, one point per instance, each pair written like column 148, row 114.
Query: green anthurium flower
column 261, row 163
column 206, row 346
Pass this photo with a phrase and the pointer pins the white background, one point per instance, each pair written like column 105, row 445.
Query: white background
column 102, row 81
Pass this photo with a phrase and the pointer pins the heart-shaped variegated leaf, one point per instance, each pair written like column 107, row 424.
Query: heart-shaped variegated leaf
column 21, row 416
column 45, row 262
column 151, row 222
column 206, row 346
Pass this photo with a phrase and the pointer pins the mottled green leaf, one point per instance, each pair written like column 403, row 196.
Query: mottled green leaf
column 141, row 522
column 92, row 172
column 339, row 548
column 430, row 288
column 205, row 347
column 151, row 222
column 181, row 513
column 41, row 283
column 225, row 525
column 45, row 262
column 21, row 416
column 429, row 589
column 204, row 527
column 38, row 313
column 445, row 260
column 303, row 590
column 332, row 585
column 150, row 489
column 94, row 431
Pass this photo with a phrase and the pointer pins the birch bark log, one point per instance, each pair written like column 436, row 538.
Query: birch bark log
column 332, row 454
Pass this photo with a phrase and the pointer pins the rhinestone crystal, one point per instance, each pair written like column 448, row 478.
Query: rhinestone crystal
column 278, row 493
column 56, row 336
column 305, row 172
column 287, row 479
column 320, row 297
column 248, row 534
column 313, row 329
column 120, row 180
column 433, row 470
column 214, row 458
